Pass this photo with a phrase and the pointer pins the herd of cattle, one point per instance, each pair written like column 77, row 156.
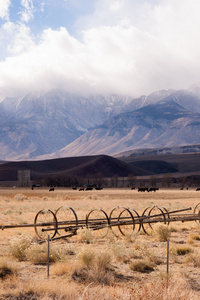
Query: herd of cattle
column 140, row 189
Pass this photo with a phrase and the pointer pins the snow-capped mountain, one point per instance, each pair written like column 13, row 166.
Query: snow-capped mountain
column 53, row 124
column 163, row 124
column 39, row 124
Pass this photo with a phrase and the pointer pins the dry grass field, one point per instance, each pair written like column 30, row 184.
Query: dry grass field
column 87, row 266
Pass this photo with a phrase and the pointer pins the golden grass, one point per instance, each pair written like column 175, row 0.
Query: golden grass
column 89, row 267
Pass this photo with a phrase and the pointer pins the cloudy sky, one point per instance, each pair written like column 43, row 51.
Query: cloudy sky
column 130, row 47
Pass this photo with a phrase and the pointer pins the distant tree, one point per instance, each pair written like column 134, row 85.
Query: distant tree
column 98, row 180
column 131, row 180
column 167, row 180
column 152, row 181
column 114, row 180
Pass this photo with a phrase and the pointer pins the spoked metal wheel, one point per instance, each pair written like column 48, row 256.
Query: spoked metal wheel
column 98, row 221
column 138, row 223
column 126, row 222
column 121, row 221
column 45, row 224
column 67, row 220
column 197, row 212
column 150, row 216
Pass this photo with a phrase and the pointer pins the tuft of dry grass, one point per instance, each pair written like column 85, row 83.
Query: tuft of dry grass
column 84, row 235
column 19, row 245
column 194, row 259
column 192, row 238
column 119, row 251
column 142, row 265
column 161, row 232
column 180, row 249
column 7, row 269
column 20, row 197
column 38, row 253
column 64, row 268
column 96, row 267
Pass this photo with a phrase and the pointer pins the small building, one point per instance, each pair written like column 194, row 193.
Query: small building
column 24, row 178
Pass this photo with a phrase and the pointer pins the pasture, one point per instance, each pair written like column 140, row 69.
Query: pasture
column 87, row 266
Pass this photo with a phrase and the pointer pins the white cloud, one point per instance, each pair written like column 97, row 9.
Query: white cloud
column 127, row 47
column 4, row 9
column 28, row 12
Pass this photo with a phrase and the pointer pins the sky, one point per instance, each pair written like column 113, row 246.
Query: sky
column 126, row 47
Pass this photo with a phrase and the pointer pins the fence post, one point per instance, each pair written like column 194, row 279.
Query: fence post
column 48, row 259
column 167, row 260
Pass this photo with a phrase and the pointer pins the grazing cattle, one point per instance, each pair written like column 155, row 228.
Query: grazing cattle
column 51, row 190
column 98, row 188
column 81, row 189
column 198, row 189
column 153, row 189
column 142, row 189
column 74, row 188
column 181, row 189
column 89, row 189
column 132, row 188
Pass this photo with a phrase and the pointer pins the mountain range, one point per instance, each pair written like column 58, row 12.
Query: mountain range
column 57, row 124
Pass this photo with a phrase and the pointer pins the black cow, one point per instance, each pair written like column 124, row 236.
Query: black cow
column 143, row 189
column 51, row 190
column 89, row 189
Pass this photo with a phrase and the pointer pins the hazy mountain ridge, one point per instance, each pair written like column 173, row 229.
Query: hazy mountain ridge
column 158, row 125
column 160, row 151
column 53, row 124
column 39, row 124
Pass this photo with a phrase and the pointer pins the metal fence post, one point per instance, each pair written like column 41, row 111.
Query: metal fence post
column 167, row 260
column 48, row 259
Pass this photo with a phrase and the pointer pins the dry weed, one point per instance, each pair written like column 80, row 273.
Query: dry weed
column 194, row 259
column 38, row 254
column 142, row 265
column 96, row 267
column 161, row 232
column 19, row 245
column 192, row 238
column 20, row 197
column 7, row 269
column 64, row 268
column 84, row 235
column 180, row 249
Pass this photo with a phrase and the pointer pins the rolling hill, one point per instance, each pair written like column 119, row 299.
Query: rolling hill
column 103, row 165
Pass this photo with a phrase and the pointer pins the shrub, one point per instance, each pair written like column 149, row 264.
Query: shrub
column 38, row 254
column 19, row 245
column 96, row 267
column 193, row 237
column 99, row 260
column 86, row 257
column 194, row 258
column 7, row 269
column 119, row 251
column 161, row 232
column 84, row 236
column 142, row 265
column 180, row 250
column 20, row 197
